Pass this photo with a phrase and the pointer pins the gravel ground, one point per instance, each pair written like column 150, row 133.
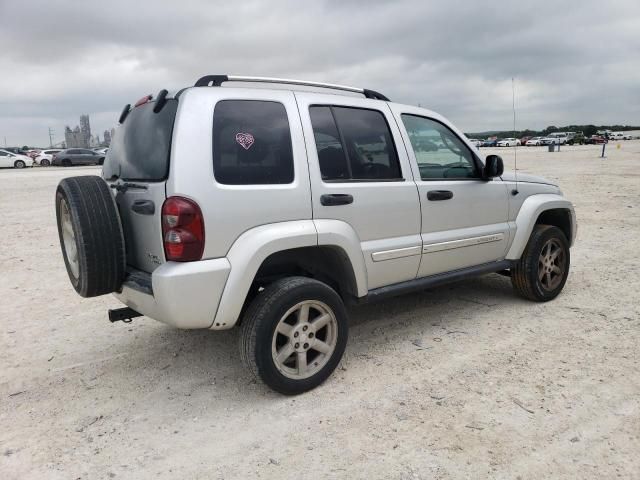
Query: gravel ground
column 466, row 381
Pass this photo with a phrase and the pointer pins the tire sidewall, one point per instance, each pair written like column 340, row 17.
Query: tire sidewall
column 265, row 329
column 534, row 253
column 19, row 164
column 77, row 283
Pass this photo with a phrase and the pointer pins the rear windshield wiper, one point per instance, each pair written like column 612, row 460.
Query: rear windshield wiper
column 124, row 186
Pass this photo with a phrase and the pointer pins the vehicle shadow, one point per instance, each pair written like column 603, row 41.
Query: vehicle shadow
column 196, row 362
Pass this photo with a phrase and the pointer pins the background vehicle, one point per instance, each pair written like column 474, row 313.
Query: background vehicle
column 508, row 142
column 45, row 156
column 535, row 141
column 475, row 142
column 576, row 139
column 101, row 151
column 9, row 159
column 596, row 139
column 558, row 138
column 33, row 153
column 616, row 136
column 524, row 140
column 16, row 150
column 77, row 156
column 274, row 208
column 490, row 142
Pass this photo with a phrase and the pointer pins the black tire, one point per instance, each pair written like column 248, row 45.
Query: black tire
column 259, row 327
column 44, row 162
column 101, row 161
column 19, row 164
column 98, row 236
column 525, row 274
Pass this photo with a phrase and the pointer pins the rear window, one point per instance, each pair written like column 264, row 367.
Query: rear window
column 251, row 143
column 141, row 146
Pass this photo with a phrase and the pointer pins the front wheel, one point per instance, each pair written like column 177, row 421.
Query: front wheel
column 294, row 334
column 19, row 164
column 44, row 162
column 542, row 271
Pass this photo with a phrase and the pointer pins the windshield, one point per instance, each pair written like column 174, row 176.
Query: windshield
column 141, row 146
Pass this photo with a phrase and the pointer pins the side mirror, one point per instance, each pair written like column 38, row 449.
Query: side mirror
column 493, row 167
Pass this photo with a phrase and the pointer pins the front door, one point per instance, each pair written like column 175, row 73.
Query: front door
column 360, row 175
column 464, row 218
column 5, row 160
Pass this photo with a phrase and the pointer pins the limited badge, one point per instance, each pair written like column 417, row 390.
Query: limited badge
column 245, row 140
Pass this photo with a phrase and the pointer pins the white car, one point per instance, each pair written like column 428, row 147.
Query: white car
column 475, row 142
column 534, row 142
column 44, row 159
column 307, row 201
column 13, row 160
column 508, row 142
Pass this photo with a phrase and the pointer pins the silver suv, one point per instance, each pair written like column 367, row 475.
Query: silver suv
column 271, row 203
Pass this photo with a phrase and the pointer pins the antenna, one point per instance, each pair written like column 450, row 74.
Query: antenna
column 515, row 145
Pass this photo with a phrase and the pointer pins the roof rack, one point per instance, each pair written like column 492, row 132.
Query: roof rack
column 217, row 80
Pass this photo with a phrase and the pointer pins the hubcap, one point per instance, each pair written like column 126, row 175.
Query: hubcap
column 551, row 264
column 69, row 239
column 304, row 339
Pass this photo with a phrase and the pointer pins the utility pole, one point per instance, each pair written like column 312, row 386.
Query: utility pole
column 51, row 132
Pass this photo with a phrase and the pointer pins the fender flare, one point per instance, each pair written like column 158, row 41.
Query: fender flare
column 529, row 212
column 253, row 247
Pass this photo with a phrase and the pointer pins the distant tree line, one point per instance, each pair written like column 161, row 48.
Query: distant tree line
column 588, row 130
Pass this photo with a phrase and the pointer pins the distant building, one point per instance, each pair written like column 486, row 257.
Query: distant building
column 75, row 138
column 107, row 137
column 80, row 136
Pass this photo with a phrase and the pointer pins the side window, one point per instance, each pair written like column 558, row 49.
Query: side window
column 439, row 152
column 354, row 144
column 251, row 143
column 3, row 154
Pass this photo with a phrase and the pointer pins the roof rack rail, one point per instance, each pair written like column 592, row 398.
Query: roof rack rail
column 217, row 80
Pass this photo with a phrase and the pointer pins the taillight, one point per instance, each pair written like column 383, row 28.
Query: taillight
column 182, row 230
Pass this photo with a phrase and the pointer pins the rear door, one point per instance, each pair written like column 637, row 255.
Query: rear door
column 360, row 175
column 136, row 167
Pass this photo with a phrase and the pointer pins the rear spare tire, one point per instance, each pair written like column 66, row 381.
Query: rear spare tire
column 91, row 235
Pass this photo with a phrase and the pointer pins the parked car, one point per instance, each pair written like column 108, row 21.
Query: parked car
column 45, row 157
column 221, row 226
column 16, row 150
column 576, row 139
column 616, row 136
column 560, row 138
column 9, row 159
column 475, row 142
column 596, row 139
column 524, row 140
column 77, row 156
column 627, row 136
column 490, row 142
column 33, row 153
column 508, row 142
column 534, row 142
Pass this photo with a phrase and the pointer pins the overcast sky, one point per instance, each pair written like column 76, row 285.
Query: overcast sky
column 573, row 61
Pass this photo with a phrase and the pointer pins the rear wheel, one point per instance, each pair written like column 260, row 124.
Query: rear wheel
column 542, row 271
column 44, row 162
column 19, row 164
column 294, row 334
column 90, row 235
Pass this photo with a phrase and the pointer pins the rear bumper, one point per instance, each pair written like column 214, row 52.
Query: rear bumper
column 184, row 295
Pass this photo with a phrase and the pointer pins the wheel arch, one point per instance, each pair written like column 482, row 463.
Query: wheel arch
column 269, row 252
column 547, row 209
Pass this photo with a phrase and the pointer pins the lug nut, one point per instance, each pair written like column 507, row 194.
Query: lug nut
column 297, row 345
column 304, row 329
column 306, row 345
column 310, row 335
column 296, row 334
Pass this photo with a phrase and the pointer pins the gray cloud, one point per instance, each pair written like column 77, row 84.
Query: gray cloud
column 574, row 62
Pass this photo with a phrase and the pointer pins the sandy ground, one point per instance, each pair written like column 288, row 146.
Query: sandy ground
column 467, row 381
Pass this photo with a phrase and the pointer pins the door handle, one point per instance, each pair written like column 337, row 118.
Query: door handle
column 144, row 207
column 333, row 199
column 435, row 195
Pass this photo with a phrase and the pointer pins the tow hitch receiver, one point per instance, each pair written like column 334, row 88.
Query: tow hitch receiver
column 125, row 314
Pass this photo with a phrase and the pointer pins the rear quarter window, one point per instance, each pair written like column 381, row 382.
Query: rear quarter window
column 251, row 143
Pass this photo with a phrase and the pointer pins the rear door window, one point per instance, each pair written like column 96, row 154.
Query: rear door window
column 141, row 146
column 251, row 143
column 354, row 144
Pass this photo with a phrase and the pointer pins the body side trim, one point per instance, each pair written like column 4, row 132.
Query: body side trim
column 465, row 242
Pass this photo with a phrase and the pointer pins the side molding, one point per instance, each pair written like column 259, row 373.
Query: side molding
column 530, row 210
